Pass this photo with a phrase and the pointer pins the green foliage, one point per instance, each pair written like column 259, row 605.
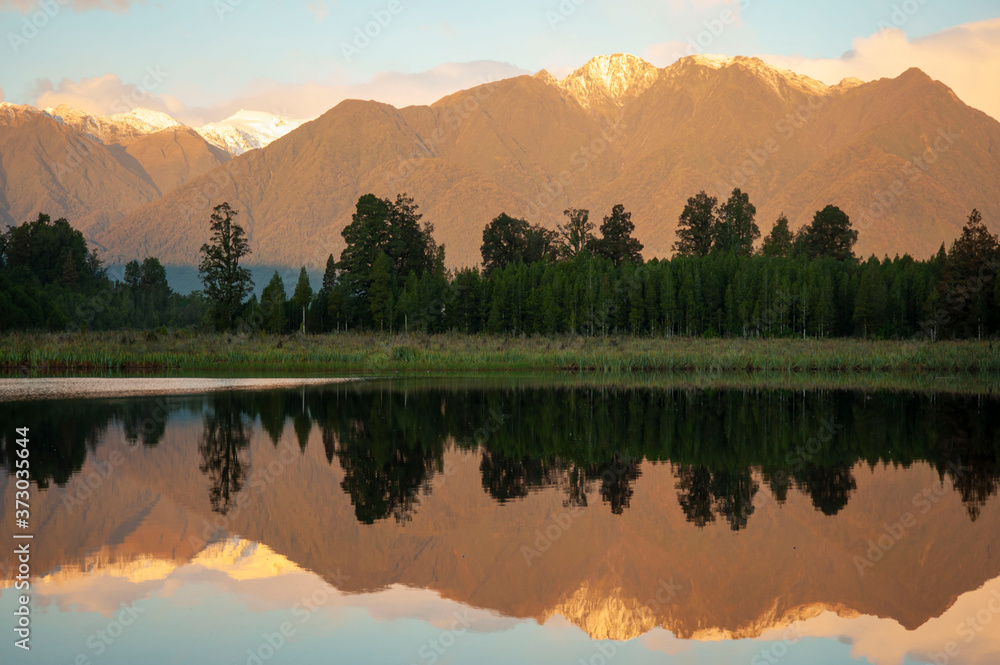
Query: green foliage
column 380, row 292
column 150, row 294
column 968, row 287
column 829, row 235
column 578, row 233
column 272, row 305
column 735, row 229
column 226, row 284
column 604, row 292
column 51, row 252
column 388, row 227
column 870, row 301
column 392, row 227
column 616, row 242
column 696, row 226
column 508, row 240
column 300, row 300
column 779, row 242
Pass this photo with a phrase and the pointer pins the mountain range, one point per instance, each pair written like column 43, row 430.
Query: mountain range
column 904, row 157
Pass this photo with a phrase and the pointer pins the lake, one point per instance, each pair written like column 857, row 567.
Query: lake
column 498, row 520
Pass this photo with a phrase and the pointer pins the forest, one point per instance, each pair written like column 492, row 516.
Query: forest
column 583, row 278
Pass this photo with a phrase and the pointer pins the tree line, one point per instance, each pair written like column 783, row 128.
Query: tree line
column 582, row 278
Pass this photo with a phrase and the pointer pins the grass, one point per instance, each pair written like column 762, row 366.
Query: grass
column 362, row 353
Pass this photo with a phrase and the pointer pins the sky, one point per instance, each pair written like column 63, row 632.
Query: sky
column 201, row 61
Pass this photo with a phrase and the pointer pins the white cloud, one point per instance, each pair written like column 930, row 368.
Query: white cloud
column 108, row 94
column 885, row 642
column 965, row 58
column 311, row 100
column 105, row 95
column 31, row 6
column 697, row 5
column 319, row 9
column 715, row 21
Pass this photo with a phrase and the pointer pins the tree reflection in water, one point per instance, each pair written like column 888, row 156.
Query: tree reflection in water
column 223, row 445
column 390, row 439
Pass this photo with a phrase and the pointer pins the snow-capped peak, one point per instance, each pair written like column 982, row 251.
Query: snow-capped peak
column 772, row 74
column 146, row 120
column 117, row 128
column 609, row 79
column 247, row 130
column 713, row 61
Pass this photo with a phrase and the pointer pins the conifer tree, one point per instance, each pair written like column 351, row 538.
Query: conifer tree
column 226, row 283
column 696, row 226
column 735, row 228
column 301, row 298
column 869, row 307
column 778, row 242
column 380, row 292
column 272, row 305
column 616, row 241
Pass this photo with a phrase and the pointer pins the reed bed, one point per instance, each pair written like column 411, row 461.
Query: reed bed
column 376, row 353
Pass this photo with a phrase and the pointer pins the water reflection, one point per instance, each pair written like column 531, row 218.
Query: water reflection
column 390, row 441
column 223, row 445
column 703, row 494
column 555, row 504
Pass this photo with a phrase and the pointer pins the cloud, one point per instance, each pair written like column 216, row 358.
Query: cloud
column 105, row 95
column 311, row 100
column 108, row 94
column 699, row 5
column 1, row 95
column 32, row 6
column 886, row 642
column 711, row 22
column 319, row 10
column 965, row 58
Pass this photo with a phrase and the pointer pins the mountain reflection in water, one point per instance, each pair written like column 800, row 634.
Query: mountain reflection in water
column 665, row 514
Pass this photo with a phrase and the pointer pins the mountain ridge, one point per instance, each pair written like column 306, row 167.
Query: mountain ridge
column 616, row 130
column 244, row 130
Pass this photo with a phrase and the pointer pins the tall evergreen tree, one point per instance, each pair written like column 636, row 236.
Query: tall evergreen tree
column 301, row 298
column 508, row 240
column 329, row 275
column 153, row 282
column 735, row 229
column 70, row 275
column 272, row 305
column 226, row 283
column 390, row 227
column 968, row 280
column 577, row 234
column 411, row 247
column 616, row 241
column 869, row 307
column 830, row 234
column 380, row 291
column 505, row 241
column 696, row 226
column 778, row 242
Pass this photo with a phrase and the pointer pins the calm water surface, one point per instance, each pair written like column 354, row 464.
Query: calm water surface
column 485, row 521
